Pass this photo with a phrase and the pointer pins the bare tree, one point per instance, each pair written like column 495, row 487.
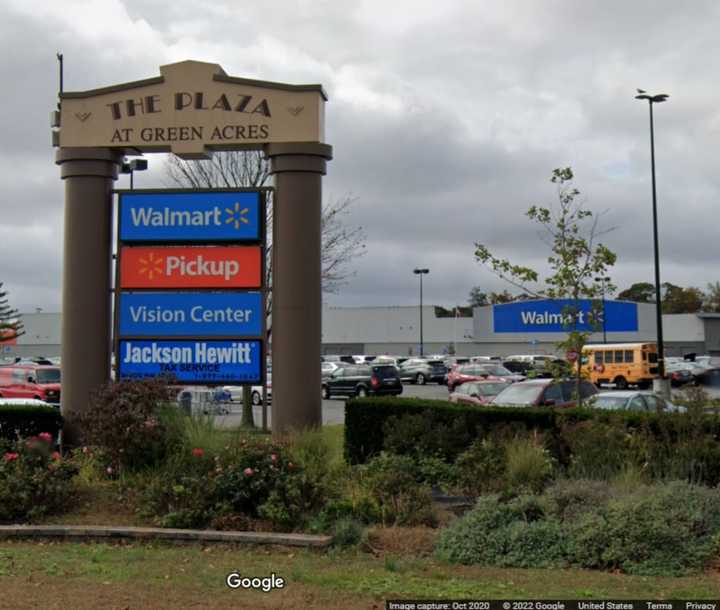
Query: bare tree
column 341, row 244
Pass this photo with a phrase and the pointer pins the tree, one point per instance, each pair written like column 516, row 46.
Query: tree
column 237, row 169
column 575, row 260
column 712, row 298
column 11, row 326
column 641, row 292
column 477, row 298
column 681, row 300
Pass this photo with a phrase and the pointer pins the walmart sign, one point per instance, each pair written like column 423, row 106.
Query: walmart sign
column 180, row 216
column 546, row 316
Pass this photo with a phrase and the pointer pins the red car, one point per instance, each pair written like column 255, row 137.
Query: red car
column 30, row 381
column 477, row 392
column 479, row 372
column 544, row 393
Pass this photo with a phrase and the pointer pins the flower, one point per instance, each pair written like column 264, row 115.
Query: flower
column 45, row 436
column 150, row 423
column 11, row 457
column 248, row 471
column 109, row 470
column 56, row 455
column 291, row 465
column 273, row 457
column 85, row 450
column 198, row 452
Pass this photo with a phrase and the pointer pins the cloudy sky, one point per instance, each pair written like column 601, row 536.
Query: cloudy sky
column 446, row 119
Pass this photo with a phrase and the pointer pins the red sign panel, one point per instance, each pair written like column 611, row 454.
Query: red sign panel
column 191, row 267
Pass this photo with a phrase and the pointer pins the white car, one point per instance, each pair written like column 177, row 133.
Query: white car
column 256, row 391
column 26, row 402
column 633, row 401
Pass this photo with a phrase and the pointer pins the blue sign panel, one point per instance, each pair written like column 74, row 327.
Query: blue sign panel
column 167, row 216
column 204, row 362
column 547, row 316
column 190, row 314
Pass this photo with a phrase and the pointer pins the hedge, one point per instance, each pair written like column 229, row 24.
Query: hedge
column 457, row 426
column 25, row 420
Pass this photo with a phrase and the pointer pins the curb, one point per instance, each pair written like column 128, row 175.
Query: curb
column 85, row 532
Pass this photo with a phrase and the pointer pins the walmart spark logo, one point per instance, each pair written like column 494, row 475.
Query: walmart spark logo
column 236, row 216
column 151, row 266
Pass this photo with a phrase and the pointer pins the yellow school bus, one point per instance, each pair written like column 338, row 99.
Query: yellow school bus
column 621, row 363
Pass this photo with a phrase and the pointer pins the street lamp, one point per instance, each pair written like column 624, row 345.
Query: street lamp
column 662, row 386
column 136, row 165
column 421, row 272
column 603, row 281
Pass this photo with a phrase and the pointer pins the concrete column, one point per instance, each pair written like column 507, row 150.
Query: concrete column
column 297, row 301
column 86, row 312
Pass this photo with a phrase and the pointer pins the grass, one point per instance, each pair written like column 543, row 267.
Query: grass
column 347, row 577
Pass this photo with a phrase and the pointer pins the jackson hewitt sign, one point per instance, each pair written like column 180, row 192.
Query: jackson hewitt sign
column 191, row 107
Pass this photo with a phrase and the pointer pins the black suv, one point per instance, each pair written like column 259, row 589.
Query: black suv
column 362, row 380
column 421, row 370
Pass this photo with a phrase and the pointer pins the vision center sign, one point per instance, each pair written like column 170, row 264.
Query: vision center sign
column 192, row 106
column 547, row 316
column 191, row 275
column 182, row 314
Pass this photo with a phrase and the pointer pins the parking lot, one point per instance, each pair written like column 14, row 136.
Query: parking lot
column 333, row 411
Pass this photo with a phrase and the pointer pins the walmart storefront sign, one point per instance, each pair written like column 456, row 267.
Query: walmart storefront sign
column 168, row 216
column 178, row 314
column 207, row 362
column 550, row 316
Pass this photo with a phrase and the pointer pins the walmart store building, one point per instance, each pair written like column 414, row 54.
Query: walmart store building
column 525, row 327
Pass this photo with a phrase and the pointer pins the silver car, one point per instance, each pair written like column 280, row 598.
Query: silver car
column 634, row 401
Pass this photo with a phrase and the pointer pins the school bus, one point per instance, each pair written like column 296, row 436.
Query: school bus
column 621, row 363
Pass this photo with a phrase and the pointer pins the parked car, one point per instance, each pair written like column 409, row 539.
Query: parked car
column 30, row 380
column 544, row 393
column 336, row 358
column 480, row 371
column 421, row 370
column 363, row 380
column 256, row 391
column 679, row 373
column 208, row 401
column 452, row 361
column 363, row 358
column 633, row 401
column 27, row 402
column 477, row 392
column 710, row 377
column 328, row 368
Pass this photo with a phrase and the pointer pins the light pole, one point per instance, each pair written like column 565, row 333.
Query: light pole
column 603, row 280
column 136, row 165
column 421, row 272
column 661, row 385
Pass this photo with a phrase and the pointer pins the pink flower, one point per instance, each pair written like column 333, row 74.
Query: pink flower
column 56, row 455
column 150, row 423
column 85, row 450
column 198, row 452
column 11, row 457
column 273, row 457
column 45, row 436
column 109, row 470
column 248, row 472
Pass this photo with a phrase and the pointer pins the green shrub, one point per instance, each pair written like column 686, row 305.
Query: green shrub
column 599, row 450
column 458, row 425
column 24, row 421
column 253, row 478
column 392, row 481
column 481, row 468
column 348, row 532
column 34, row 479
column 124, row 421
column 661, row 529
column 529, row 465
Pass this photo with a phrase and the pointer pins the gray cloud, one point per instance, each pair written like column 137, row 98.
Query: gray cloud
column 446, row 120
